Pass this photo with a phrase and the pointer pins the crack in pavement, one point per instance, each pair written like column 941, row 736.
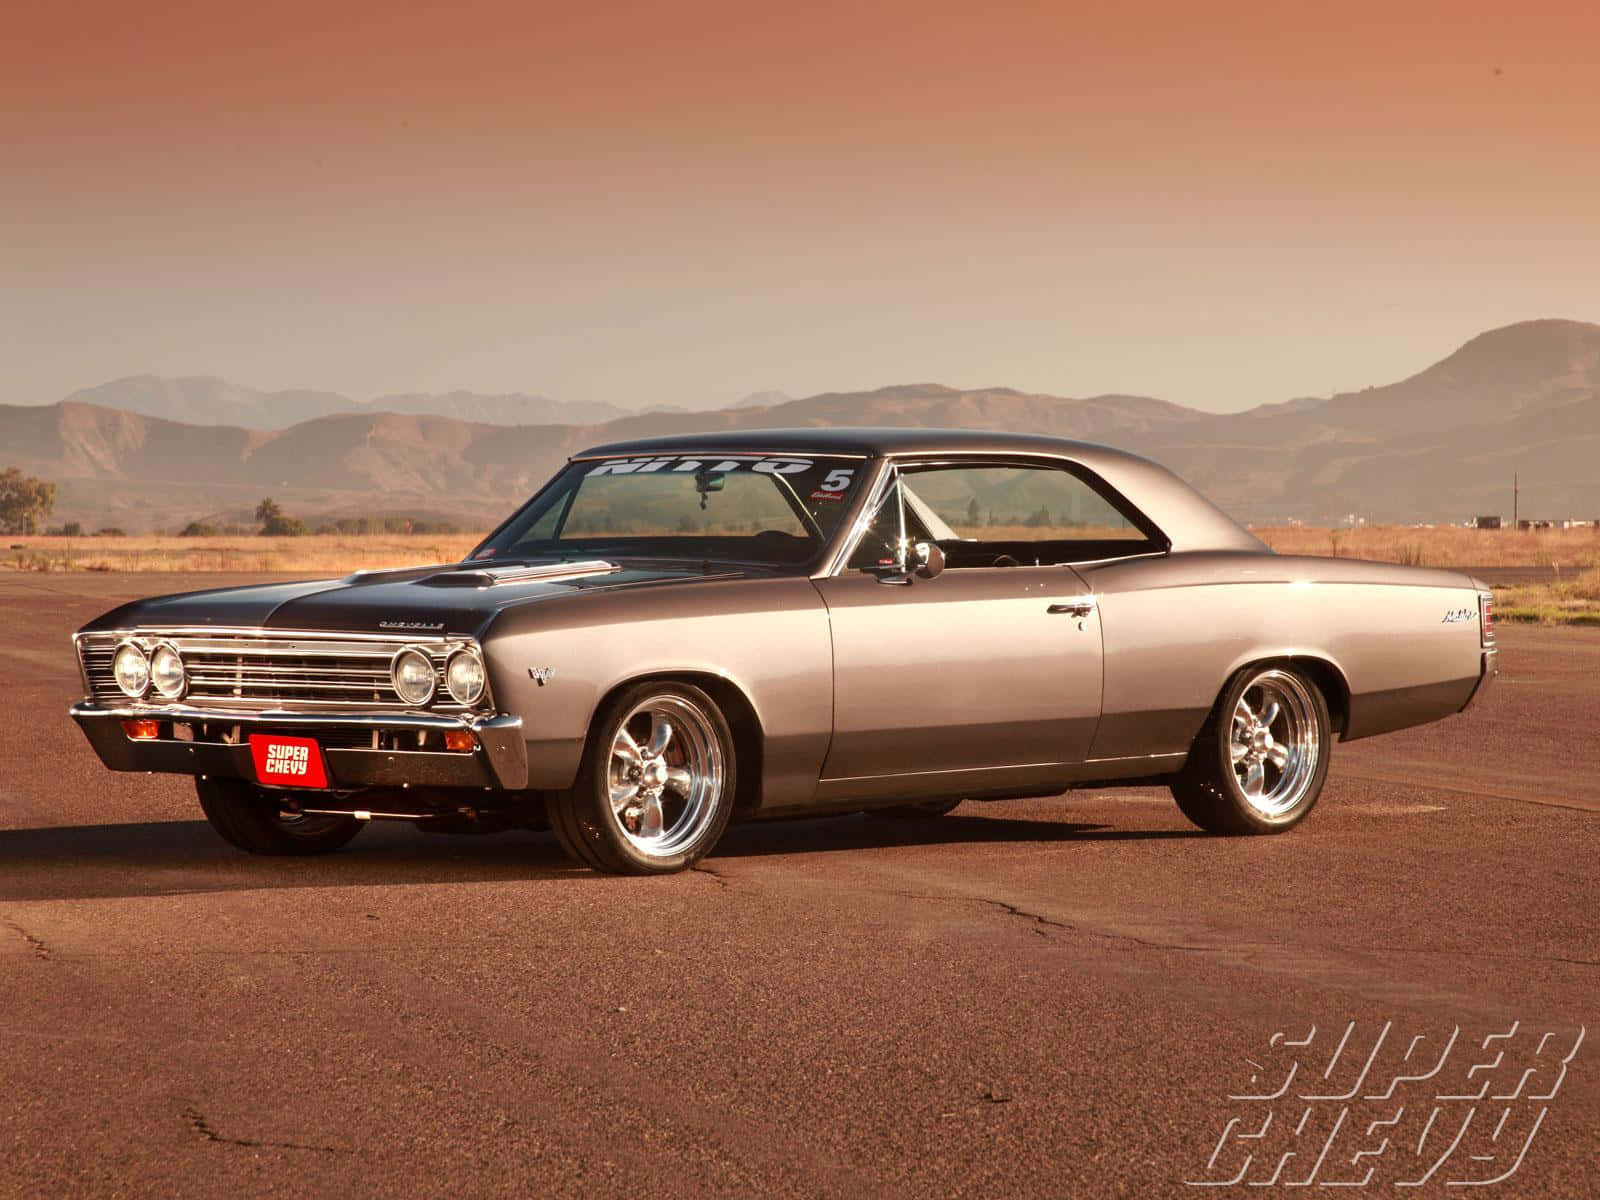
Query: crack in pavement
column 722, row 880
column 40, row 949
column 1043, row 923
column 203, row 1127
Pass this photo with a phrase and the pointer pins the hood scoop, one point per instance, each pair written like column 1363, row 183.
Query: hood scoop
column 486, row 577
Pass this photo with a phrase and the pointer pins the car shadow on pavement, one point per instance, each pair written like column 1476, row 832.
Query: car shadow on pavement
column 155, row 858
column 859, row 832
column 158, row 858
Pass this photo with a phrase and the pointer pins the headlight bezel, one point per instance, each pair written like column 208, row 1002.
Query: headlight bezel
column 133, row 647
column 182, row 688
column 466, row 654
column 402, row 655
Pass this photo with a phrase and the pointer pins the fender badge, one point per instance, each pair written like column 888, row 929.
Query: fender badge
column 1458, row 614
column 541, row 675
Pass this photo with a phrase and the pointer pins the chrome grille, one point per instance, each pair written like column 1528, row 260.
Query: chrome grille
column 266, row 670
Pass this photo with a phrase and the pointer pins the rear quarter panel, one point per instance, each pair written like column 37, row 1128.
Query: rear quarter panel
column 1178, row 626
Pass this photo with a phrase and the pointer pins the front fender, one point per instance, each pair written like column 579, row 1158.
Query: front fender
column 554, row 663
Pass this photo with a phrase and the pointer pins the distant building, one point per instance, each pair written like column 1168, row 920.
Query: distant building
column 1488, row 522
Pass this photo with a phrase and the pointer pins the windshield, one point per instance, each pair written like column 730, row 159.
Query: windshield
column 761, row 508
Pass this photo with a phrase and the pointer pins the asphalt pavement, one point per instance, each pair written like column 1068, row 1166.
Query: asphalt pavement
column 1049, row 997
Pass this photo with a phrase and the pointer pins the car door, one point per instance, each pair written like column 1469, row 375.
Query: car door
column 984, row 674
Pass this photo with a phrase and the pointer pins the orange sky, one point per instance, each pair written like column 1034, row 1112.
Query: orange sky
column 683, row 203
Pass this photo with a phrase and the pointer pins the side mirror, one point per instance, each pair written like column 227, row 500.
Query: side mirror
column 929, row 560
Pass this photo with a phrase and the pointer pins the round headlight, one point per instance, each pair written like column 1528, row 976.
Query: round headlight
column 166, row 672
column 131, row 670
column 464, row 677
column 414, row 680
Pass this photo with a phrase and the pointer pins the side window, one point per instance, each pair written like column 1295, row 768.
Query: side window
column 1019, row 516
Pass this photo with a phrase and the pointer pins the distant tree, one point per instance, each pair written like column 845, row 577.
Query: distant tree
column 198, row 529
column 70, row 529
column 24, row 501
column 111, row 531
column 282, row 526
column 686, row 524
column 974, row 513
column 267, row 510
column 1039, row 519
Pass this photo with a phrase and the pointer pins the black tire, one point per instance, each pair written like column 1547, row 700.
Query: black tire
column 250, row 818
column 917, row 810
column 1210, row 790
column 688, row 820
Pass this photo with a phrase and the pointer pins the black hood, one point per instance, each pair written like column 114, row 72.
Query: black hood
column 453, row 598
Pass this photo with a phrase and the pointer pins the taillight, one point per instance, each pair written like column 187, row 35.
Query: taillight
column 1486, row 617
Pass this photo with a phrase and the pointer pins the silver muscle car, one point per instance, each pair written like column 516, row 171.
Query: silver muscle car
column 680, row 632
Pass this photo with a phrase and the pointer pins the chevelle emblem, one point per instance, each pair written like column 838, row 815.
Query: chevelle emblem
column 417, row 626
column 541, row 675
column 1457, row 614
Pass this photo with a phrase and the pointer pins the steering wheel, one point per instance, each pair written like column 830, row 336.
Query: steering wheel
column 1005, row 560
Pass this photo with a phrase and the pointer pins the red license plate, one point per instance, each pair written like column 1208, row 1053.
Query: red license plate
column 288, row 761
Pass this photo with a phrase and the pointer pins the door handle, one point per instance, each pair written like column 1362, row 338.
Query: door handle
column 1078, row 606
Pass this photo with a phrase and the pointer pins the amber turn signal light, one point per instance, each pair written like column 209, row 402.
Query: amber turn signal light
column 460, row 739
column 142, row 730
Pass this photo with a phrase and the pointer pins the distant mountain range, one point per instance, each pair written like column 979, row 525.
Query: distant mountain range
column 1440, row 445
column 205, row 400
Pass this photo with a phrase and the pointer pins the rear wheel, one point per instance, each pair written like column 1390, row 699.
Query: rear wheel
column 1260, row 761
column 254, row 820
column 657, row 783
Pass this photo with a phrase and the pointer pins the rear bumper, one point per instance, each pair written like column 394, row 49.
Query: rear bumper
column 500, row 760
column 1488, row 671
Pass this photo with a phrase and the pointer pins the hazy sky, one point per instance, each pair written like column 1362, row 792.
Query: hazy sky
column 1220, row 204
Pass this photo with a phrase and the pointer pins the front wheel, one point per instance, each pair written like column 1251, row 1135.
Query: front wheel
column 1259, row 763
column 657, row 783
column 252, row 819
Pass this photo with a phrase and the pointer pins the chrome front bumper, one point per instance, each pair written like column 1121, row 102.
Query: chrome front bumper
column 500, row 760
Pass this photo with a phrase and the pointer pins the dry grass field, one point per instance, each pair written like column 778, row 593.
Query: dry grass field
column 1562, row 601
column 1572, row 596
column 1443, row 545
column 316, row 554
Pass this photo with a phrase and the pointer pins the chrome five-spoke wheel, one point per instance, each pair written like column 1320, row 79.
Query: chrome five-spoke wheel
column 666, row 774
column 657, row 785
column 1275, row 742
column 1259, row 763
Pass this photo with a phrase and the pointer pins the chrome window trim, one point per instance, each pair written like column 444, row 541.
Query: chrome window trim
column 1057, row 462
column 851, row 531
